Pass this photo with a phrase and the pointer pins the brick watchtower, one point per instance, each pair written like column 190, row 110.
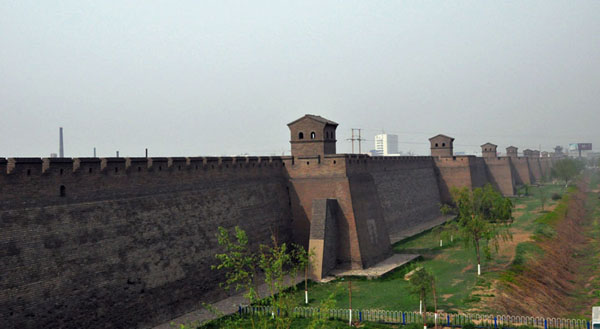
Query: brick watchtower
column 312, row 135
column 488, row 150
column 512, row 152
column 442, row 146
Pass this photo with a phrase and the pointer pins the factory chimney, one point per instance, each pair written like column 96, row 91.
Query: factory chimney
column 61, row 149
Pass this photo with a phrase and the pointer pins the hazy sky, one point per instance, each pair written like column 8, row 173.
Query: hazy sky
column 225, row 77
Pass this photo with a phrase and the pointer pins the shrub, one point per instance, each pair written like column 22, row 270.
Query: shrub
column 556, row 196
column 469, row 325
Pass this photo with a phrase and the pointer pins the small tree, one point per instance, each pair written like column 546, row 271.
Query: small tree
column 276, row 261
column 543, row 194
column 421, row 284
column 566, row 169
column 484, row 216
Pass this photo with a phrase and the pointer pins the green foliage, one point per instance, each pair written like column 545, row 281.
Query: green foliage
column 238, row 263
column 543, row 196
column 484, row 217
column 566, row 169
column 277, row 263
column 420, row 282
column 469, row 325
column 556, row 196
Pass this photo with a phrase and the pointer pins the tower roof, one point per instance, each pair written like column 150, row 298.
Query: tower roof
column 441, row 135
column 315, row 118
column 489, row 144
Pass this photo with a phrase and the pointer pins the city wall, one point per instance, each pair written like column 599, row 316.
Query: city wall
column 501, row 174
column 129, row 242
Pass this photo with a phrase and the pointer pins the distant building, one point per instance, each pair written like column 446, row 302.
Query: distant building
column 53, row 155
column 386, row 144
column 442, row 146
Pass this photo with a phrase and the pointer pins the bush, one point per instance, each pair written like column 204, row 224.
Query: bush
column 556, row 196
column 469, row 325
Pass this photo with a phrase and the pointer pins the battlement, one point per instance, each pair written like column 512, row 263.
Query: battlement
column 497, row 160
column 65, row 167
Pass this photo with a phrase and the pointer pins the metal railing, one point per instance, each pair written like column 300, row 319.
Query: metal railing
column 444, row 319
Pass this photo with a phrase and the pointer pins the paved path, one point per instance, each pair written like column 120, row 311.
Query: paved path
column 379, row 269
column 419, row 228
column 226, row 306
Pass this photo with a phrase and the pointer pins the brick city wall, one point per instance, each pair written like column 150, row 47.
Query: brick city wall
column 131, row 242
column 117, row 242
column 536, row 169
column 522, row 172
column 500, row 175
column 408, row 191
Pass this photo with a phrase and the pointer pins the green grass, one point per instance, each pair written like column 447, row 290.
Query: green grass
column 298, row 323
column 454, row 267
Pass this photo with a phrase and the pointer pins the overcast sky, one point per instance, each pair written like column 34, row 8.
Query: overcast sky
column 188, row 78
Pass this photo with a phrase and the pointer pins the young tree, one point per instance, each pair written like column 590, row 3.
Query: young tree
column 484, row 217
column 238, row 262
column 277, row 262
column 421, row 283
column 566, row 169
column 543, row 194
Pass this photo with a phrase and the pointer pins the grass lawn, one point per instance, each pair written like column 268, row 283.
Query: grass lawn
column 299, row 323
column 454, row 267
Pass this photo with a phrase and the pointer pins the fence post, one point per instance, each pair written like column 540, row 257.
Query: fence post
column 495, row 322
column 545, row 323
column 588, row 325
column 403, row 319
column 360, row 316
column 448, row 319
column 240, row 309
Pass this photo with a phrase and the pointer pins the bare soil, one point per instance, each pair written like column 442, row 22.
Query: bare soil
column 544, row 286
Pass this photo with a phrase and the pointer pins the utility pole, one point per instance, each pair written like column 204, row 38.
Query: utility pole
column 359, row 142
column 359, row 139
column 94, row 151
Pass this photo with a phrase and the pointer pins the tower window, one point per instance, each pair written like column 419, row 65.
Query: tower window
column 90, row 170
column 443, row 144
column 63, row 191
column 301, row 135
column 436, row 144
column 313, row 135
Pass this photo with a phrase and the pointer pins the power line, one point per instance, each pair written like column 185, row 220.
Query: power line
column 359, row 139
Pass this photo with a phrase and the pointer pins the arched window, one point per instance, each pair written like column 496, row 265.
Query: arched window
column 63, row 191
column 443, row 144
column 313, row 135
column 301, row 135
column 436, row 144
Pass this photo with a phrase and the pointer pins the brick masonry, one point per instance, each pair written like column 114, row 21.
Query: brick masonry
column 128, row 242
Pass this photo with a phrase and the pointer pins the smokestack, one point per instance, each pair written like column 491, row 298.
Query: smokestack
column 94, row 152
column 61, row 148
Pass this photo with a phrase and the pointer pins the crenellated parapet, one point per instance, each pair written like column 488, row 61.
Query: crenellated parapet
column 31, row 181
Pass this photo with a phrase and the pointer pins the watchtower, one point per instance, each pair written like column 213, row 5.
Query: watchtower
column 529, row 153
column 442, row 146
column 312, row 135
column 488, row 150
column 512, row 152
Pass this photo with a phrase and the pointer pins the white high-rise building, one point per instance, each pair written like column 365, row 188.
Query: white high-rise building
column 386, row 144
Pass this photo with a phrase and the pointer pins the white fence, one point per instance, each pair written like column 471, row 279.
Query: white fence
column 445, row 319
